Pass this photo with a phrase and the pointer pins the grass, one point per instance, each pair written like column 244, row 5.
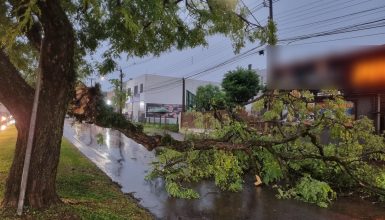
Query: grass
column 86, row 192
column 150, row 128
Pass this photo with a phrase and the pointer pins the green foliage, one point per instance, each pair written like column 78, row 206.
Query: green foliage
column 311, row 152
column 120, row 94
column 310, row 190
column 271, row 171
column 271, row 33
column 227, row 171
column 176, row 190
column 181, row 169
column 100, row 139
column 235, row 129
column 24, row 18
column 241, row 85
column 118, row 29
column 149, row 127
column 143, row 27
column 204, row 121
column 209, row 97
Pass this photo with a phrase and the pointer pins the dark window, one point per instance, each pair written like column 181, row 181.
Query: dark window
column 129, row 91
column 135, row 90
column 141, row 88
column 190, row 100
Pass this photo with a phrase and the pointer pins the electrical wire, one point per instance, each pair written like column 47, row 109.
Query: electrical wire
column 339, row 39
column 333, row 19
column 351, row 28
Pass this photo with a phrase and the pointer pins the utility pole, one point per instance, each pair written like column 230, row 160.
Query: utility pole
column 271, row 10
column 121, row 91
column 183, row 95
column 270, row 49
column 183, row 102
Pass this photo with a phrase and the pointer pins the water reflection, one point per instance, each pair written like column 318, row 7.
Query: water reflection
column 127, row 163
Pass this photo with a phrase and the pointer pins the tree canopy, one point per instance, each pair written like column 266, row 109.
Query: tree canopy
column 241, row 85
column 124, row 28
column 208, row 98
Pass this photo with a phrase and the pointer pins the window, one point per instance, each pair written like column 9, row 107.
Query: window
column 141, row 88
column 135, row 90
column 129, row 91
column 190, row 100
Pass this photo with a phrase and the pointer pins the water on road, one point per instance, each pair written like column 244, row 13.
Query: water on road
column 127, row 163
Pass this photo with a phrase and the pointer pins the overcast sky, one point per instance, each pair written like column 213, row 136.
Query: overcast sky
column 293, row 18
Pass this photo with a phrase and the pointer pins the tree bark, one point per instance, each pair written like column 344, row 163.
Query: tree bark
column 58, row 78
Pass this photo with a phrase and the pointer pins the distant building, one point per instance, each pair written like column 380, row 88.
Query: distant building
column 155, row 96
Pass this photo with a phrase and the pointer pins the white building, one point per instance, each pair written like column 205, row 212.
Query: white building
column 153, row 94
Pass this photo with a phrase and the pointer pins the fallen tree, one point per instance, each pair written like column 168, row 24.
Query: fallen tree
column 308, row 158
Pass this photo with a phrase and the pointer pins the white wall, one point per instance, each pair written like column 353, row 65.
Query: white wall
column 160, row 90
column 163, row 89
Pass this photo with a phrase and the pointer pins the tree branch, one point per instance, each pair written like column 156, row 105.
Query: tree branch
column 15, row 93
column 34, row 33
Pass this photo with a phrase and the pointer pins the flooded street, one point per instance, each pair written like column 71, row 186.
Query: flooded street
column 127, row 163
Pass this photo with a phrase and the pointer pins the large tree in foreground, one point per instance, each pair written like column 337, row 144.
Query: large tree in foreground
column 53, row 36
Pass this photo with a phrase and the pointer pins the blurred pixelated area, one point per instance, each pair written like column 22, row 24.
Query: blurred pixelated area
column 359, row 69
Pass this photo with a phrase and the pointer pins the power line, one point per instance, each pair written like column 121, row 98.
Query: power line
column 301, row 8
column 231, row 60
column 211, row 68
column 251, row 13
column 300, row 16
column 338, row 22
column 217, row 47
column 346, row 29
column 334, row 18
column 332, row 7
column 338, row 39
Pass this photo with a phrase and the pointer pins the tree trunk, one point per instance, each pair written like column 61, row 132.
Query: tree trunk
column 41, row 187
column 58, row 78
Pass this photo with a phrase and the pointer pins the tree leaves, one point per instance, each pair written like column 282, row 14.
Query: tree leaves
column 319, row 151
column 241, row 85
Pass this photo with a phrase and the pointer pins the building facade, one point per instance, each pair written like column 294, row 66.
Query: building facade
column 154, row 97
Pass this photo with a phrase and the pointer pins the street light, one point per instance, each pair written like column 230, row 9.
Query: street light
column 141, row 105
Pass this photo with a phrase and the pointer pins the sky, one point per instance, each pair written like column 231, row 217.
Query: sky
column 293, row 17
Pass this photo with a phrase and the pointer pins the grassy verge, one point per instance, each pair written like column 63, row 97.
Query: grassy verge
column 86, row 191
column 149, row 128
